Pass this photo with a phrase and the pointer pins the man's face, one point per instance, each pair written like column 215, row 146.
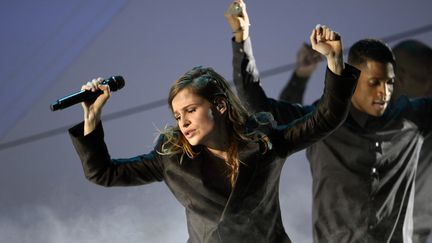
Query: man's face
column 374, row 87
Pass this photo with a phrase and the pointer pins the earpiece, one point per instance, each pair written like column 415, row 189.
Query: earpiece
column 220, row 104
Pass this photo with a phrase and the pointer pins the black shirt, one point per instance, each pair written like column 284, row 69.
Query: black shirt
column 363, row 173
column 363, row 176
column 293, row 92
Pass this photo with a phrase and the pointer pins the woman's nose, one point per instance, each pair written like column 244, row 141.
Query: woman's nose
column 185, row 122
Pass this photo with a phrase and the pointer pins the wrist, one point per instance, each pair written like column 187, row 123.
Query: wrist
column 301, row 73
column 335, row 64
column 240, row 35
column 90, row 125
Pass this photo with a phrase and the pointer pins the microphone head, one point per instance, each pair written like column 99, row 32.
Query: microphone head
column 115, row 82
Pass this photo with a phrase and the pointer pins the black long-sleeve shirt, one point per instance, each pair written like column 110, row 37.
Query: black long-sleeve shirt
column 294, row 91
column 363, row 174
column 423, row 194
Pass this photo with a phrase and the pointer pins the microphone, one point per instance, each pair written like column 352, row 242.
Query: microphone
column 115, row 83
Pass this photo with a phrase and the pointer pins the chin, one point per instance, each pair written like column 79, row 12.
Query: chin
column 193, row 142
column 377, row 113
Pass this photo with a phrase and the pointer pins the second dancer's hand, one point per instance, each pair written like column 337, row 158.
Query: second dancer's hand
column 329, row 43
column 238, row 20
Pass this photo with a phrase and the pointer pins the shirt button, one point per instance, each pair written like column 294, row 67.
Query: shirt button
column 374, row 170
column 377, row 144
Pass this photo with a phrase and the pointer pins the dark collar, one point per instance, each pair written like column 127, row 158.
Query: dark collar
column 367, row 121
column 359, row 117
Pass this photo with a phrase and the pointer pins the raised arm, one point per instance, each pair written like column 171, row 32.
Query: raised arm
column 247, row 80
column 245, row 72
column 328, row 43
column 238, row 20
column 93, row 108
column 88, row 140
column 306, row 63
column 333, row 108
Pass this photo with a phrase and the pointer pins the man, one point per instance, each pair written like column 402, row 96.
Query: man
column 363, row 174
column 413, row 79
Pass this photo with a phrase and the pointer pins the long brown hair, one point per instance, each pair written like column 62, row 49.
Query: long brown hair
column 208, row 84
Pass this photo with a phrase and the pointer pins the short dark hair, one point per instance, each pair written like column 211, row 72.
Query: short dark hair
column 370, row 49
column 421, row 53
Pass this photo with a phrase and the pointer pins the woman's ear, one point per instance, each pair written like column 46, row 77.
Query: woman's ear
column 221, row 105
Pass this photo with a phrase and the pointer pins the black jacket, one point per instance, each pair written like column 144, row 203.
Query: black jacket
column 251, row 213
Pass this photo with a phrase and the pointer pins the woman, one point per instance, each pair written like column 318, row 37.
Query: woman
column 220, row 163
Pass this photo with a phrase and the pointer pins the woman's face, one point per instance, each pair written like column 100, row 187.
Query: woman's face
column 195, row 118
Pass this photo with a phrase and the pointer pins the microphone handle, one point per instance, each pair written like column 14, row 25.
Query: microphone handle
column 75, row 98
